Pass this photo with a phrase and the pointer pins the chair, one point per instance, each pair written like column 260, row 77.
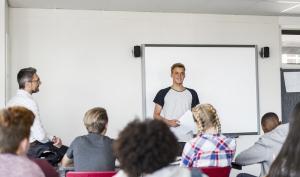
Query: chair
column 91, row 174
column 216, row 171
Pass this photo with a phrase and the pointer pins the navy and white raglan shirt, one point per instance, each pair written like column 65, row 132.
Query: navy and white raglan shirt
column 175, row 103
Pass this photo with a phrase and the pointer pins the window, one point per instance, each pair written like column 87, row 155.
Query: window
column 290, row 46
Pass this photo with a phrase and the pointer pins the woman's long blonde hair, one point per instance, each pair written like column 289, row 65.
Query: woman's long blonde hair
column 206, row 117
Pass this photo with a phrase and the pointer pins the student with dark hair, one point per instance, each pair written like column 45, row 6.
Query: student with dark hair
column 209, row 147
column 92, row 152
column 269, row 121
column 146, row 149
column 172, row 102
column 40, row 141
column 287, row 163
column 15, row 123
column 267, row 147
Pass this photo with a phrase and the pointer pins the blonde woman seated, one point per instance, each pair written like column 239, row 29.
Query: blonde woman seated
column 209, row 147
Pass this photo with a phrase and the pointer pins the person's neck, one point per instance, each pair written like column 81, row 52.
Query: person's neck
column 28, row 91
column 104, row 131
column 211, row 130
column 178, row 87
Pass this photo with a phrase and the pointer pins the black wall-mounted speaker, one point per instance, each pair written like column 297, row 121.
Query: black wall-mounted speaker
column 264, row 52
column 137, row 51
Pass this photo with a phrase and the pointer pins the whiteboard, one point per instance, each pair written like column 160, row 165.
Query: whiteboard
column 223, row 75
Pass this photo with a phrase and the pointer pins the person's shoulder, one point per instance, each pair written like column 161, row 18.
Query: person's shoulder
column 191, row 90
column 194, row 96
column 159, row 98
column 33, row 167
column 278, row 135
column 226, row 137
column 201, row 138
column 45, row 167
column 164, row 90
column 108, row 139
column 173, row 171
column 93, row 137
column 283, row 128
column 79, row 139
column 19, row 100
column 22, row 163
column 191, row 143
column 230, row 141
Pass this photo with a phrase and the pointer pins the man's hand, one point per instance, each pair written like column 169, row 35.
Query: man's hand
column 57, row 142
column 156, row 115
column 172, row 123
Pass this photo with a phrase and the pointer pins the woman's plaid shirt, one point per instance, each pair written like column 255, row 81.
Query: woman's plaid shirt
column 209, row 150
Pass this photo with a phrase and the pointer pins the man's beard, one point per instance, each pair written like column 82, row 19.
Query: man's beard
column 35, row 90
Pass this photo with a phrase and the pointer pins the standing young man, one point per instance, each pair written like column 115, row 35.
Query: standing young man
column 172, row 102
column 40, row 141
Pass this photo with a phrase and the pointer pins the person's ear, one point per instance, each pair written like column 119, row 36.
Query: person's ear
column 105, row 129
column 27, row 85
column 23, row 147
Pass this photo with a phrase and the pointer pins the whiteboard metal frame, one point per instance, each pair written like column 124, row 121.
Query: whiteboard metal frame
column 144, row 107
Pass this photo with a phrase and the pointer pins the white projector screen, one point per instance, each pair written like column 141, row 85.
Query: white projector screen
column 223, row 75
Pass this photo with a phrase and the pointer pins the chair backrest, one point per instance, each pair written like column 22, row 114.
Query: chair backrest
column 216, row 171
column 91, row 174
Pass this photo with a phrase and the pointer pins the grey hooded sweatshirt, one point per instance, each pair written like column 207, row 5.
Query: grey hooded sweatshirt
column 265, row 150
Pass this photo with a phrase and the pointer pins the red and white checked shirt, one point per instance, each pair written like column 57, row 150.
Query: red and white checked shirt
column 209, row 150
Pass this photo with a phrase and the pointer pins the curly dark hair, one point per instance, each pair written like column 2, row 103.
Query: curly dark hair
column 145, row 146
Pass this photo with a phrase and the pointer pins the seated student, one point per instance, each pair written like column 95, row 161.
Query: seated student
column 269, row 121
column 15, row 123
column 287, row 163
column 146, row 149
column 209, row 147
column 92, row 152
column 267, row 147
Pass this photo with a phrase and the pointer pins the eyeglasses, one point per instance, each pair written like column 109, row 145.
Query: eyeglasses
column 37, row 81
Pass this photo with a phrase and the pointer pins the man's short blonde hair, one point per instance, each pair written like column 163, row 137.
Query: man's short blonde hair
column 177, row 65
column 95, row 120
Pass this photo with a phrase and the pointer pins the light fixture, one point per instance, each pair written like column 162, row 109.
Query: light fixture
column 290, row 8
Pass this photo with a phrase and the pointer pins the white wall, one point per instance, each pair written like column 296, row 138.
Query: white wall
column 84, row 59
column 289, row 22
column 3, row 30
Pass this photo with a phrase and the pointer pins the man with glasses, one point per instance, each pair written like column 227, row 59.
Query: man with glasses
column 40, row 141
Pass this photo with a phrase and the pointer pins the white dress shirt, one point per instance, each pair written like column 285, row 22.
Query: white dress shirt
column 37, row 131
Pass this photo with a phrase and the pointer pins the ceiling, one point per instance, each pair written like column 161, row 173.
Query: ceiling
column 233, row 7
